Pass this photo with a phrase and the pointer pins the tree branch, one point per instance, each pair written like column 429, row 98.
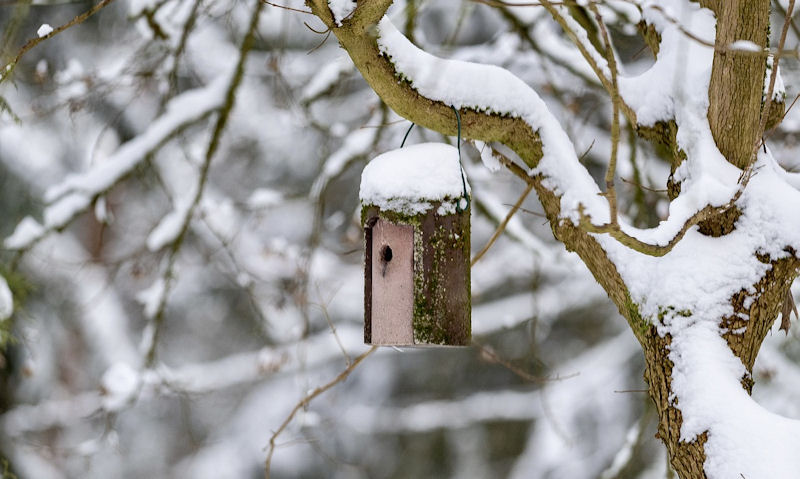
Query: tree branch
column 502, row 226
column 512, row 131
column 616, row 101
column 765, row 112
column 307, row 399
column 5, row 70
column 382, row 76
column 219, row 128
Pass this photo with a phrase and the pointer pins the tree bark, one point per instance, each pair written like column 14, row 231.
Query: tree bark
column 686, row 458
column 737, row 78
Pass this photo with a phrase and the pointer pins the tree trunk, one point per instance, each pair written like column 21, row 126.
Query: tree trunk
column 686, row 458
column 737, row 78
column 735, row 103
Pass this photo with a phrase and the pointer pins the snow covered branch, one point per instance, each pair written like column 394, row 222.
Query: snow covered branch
column 46, row 32
column 173, row 227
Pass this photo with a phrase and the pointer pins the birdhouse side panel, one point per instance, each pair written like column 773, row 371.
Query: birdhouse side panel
column 442, row 299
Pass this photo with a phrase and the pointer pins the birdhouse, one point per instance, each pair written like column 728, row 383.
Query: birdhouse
column 415, row 214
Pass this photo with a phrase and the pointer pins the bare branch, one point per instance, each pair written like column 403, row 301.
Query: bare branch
column 5, row 70
column 584, row 49
column 488, row 354
column 307, row 399
column 502, row 226
column 616, row 232
column 219, row 129
column 773, row 75
column 611, row 193
column 286, row 8
column 348, row 360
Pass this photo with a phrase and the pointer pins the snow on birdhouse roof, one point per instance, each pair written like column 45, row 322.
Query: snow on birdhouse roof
column 408, row 180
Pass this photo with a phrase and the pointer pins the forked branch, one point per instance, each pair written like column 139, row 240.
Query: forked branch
column 615, row 231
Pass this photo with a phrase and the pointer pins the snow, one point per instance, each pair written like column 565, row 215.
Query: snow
column 341, row 9
column 101, row 212
column 624, row 455
column 528, row 283
column 6, row 300
column 151, row 297
column 264, row 198
column 44, row 30
column 181, row 110
column 170, row 226
column 744, row 46
column 326, row 77
column 487, row 157
column 67, row 207
column 779, row 89
column 408, row 179
column 74, row 194
column 681, row 63
column 357, row 143
column 120, row 383
column 686, row 292
column 463, row 85
column 221, row 216
column 744, row 438
column 137, row 7
column 26, row 233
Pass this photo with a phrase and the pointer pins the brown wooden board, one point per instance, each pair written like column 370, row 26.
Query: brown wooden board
column 439, row 276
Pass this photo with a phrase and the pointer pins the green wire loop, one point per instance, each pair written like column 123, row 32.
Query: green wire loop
column 406, row 136
column 460, row 166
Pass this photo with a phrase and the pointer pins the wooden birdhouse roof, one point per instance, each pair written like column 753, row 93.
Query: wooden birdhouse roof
column 410, row 180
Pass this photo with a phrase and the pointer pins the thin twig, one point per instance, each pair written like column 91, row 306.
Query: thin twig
column 318, row 32
column 5, row 70
column 611, row 192
column 586, row 153
column 187, row 29
column 285, row 7
column 219, row 128
column 791, row 53
column 322, row 42
column 492, row 357
column 639, row 185
column 531, row 212
column 772, row 77
column 584, row 50
column 769, row 133
column 502, row 226
column 348, row 360
column 307, row 399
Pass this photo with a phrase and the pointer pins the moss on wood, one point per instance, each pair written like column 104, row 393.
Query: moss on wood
column 441, row 273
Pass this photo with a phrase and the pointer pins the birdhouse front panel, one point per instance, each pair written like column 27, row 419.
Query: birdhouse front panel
column 392, row 264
